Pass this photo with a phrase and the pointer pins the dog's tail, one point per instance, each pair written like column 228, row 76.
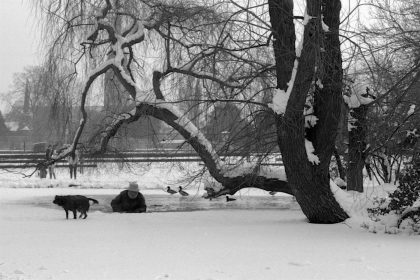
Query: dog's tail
column 94, row 200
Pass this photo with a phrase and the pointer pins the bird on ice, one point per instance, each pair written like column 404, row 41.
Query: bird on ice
column 182, row 192
column 169, row 190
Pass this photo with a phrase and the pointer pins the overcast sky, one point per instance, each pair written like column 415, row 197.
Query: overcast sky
column 19, row 45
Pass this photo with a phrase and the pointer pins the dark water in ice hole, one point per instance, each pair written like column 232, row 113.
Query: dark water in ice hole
column 174, row 203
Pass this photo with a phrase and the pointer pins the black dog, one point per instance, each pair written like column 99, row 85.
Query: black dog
column 74, row 203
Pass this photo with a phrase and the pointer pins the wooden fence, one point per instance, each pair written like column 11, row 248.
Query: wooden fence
column 25, row 159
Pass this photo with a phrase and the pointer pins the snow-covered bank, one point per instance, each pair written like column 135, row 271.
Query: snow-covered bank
column 150, row 177
column 357, row 206
column 106, row 176
column 38, row 243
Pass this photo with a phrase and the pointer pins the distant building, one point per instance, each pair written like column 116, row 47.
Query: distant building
column 3, row 128
column 13, row 138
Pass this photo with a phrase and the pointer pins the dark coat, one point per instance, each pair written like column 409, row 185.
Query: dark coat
column 123, row 203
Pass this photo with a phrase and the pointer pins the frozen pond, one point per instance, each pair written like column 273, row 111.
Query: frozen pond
column 174, row 203
column 106, row 181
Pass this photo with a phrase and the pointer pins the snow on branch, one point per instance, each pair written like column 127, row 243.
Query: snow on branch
column 310, row 152
column 411, row 110
column 355, row 100
column 412, row 133
column 135, row 34
column 118, row 61
column 325, row 27
column 189, row 126
column 306, row 18
column 281, row 96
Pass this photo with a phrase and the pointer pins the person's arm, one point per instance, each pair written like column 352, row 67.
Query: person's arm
column 116, row 204
column 141, row 205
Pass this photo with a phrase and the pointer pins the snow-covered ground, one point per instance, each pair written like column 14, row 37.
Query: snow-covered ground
column 273, row 241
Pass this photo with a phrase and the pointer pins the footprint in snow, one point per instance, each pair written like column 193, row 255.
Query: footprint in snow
column 17, row 271
column 162, row 277
column 300, row 263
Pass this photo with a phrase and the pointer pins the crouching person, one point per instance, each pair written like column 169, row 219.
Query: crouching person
column 129, row 200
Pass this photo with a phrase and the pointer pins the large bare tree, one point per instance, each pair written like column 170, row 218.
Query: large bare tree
column 197, row 41
column 222, row 45
column 314, row 67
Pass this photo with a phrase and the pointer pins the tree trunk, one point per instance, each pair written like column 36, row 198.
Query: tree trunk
column 341, row 170
column 357, row 147
column 398, row 171
column 309, row 182
column 284, row 37
column 355, row 174
column 385, row 169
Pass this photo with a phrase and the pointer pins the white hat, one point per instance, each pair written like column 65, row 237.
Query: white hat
column 133, row 187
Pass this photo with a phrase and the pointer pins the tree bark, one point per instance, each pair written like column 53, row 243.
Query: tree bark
column 357, row 147
column 309, row 182
column 341, row 170
column 284, row 37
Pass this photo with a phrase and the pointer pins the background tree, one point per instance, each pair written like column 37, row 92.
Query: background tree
column 41, row 101
column 387, row 56
column 397, row 37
